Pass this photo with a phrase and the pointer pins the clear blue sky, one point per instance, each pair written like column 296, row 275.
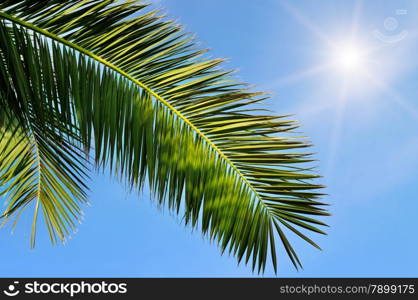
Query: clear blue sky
column 362, row 119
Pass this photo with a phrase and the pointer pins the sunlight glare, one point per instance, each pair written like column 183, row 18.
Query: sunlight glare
column 350, row 59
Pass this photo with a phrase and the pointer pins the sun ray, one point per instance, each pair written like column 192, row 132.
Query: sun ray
column 349, row 60
column 297, row 76
column 395, row 96
column 298, row 16
column 358, row 8
column 335, row 136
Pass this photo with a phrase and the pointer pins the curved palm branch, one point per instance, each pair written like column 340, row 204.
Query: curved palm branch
column 81, row 79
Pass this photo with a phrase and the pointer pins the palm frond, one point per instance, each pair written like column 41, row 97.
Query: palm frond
column 40, row 158
column 141, row 93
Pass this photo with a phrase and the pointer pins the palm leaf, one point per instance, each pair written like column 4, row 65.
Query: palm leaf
column 139, row 92
column 40, row 156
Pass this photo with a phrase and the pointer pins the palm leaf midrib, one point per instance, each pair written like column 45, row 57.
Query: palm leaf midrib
column 142, row 85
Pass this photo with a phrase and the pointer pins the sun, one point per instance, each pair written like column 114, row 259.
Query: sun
column 350, row 58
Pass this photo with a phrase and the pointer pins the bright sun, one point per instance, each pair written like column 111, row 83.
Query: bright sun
column 349, row 58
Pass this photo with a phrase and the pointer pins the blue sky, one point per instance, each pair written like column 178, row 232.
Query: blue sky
column 362, row 121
